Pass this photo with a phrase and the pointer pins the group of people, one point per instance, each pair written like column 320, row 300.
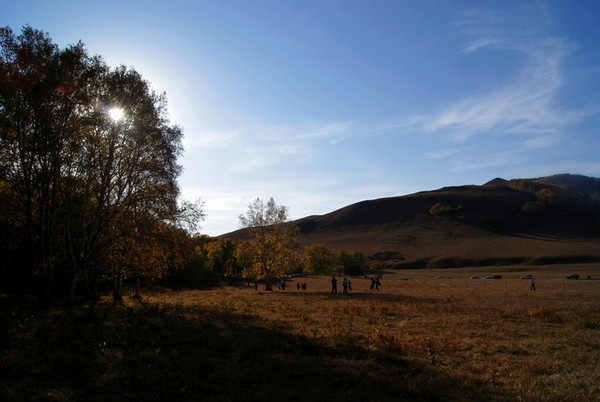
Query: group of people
column 375, row 282
column 346, row 285
column 281, row 285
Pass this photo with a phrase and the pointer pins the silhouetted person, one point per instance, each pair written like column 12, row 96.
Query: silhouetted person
column 298, row 285
column 333, row 285
column 532, row 284
column 372, row 284
column 345, row 285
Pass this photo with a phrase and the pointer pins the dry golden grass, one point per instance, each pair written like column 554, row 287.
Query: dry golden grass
column 427, row 337
column 529, row 345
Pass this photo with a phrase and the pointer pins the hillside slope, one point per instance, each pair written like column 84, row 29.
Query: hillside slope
column 481, row 225
column 526, row 221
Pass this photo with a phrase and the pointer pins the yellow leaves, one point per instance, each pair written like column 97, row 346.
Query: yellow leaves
column 319, row 259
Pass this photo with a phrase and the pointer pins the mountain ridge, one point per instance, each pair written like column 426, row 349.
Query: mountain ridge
column 553, row 219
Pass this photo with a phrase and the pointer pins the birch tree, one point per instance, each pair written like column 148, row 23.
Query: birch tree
column 269, row 248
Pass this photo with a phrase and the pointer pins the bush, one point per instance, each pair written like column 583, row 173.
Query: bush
column 352, row 264
column 441, row 210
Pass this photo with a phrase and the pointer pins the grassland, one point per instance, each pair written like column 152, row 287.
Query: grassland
column 426, row 335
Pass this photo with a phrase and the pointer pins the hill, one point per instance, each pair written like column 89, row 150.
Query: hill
column 584, row 186
column 545, row 220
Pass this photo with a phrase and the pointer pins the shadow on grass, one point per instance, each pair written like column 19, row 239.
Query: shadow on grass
column 181, row 352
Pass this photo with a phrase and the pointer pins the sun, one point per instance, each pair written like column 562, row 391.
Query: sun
column 115, row 113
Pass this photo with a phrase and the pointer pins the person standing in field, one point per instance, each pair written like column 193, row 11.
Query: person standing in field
column 345, row 285
column 532, row 284
column 333, row 285
column 349, row 285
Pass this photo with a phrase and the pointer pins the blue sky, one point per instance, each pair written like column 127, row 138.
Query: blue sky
column 321, row 104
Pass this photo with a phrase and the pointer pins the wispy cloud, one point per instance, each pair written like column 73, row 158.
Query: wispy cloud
column 248, row 149
column 526, row 103
column 480, row 43
column 442, row 154
column 335, row 132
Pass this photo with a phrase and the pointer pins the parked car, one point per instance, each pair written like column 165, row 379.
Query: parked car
column 527, row 277
column 494, row 277
column 476, row 277
column 574, row 276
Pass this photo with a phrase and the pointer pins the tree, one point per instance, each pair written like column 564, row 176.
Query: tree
column 221, row 260
column 147, row 248
column 270, row 246
column 320, row 260
column 192, row 273
column 128, row 168
column 42, row 95
column 85, row 185
column 352, row 263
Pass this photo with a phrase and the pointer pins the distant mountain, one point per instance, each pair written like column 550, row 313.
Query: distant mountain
column 544, row 220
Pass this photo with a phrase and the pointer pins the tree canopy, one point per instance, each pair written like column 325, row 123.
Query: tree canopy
column 86, row 189
column 320, row 260
column 270, row 248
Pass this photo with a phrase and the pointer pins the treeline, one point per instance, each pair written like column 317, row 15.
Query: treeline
column 267, row 250
column 215, row 261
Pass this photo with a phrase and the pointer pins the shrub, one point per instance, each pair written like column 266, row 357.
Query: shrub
column 319, row 259
column 441, row 210
column 352, row 263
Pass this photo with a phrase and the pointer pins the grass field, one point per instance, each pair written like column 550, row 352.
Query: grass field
column 426, row 335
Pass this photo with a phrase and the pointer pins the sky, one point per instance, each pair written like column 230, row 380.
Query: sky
column 324, row 103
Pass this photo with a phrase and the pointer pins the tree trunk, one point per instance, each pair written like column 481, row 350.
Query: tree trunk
column 96, row 283
column 73, row 288
column 86, row 284
column 49, row 281
column 138, row 288
column 118, row 286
